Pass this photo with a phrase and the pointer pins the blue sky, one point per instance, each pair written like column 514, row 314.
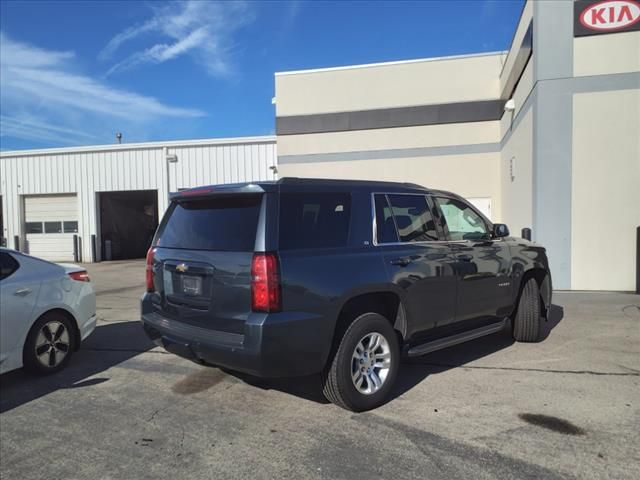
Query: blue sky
column 75, row 73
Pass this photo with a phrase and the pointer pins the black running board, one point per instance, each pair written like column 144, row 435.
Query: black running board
column 445, row 342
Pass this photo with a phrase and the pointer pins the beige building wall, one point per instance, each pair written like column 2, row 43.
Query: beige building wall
column 517, row 176
column 520, row 97
column 516, row 156
column 394, row 84
column 606, row 54
column 605, row 189
column 427, row 154
column 471, row 176
column 379, row 139
column 475, row 175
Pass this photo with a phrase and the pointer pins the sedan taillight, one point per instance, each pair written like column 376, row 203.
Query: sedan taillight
column 81, row 276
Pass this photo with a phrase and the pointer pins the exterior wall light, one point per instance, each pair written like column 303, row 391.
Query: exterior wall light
column 510, row 106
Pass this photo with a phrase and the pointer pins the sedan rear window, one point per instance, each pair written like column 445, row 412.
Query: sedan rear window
column 223, row 223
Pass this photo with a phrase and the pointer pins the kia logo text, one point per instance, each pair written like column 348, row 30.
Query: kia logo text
column 611, row 15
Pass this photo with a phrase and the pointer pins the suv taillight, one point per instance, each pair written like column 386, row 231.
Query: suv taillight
column 82, row 276
column 265, row 283
column 149, row 277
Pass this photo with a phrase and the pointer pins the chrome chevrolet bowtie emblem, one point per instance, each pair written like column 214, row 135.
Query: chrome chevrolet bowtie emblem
column 182, row 268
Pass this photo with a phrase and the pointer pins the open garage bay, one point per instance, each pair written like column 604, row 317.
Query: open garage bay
column 128, row 221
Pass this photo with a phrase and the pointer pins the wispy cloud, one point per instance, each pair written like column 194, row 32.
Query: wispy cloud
column 201, row 29
column 44, row 98
column 291, row 13
column 27, row 128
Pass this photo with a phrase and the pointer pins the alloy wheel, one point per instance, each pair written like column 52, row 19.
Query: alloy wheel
column 52, row 344
column 370, row 363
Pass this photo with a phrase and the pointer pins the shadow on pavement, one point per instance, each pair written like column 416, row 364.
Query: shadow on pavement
column 109, row 345
column 308, row 387
column 414, row 370
column 556, row 314
column 114, row 343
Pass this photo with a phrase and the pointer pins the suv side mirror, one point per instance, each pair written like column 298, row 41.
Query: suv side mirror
column 500, row 230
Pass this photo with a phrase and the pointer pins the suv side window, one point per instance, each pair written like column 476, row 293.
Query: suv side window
column 404, row 218
column 461, row 220
column 413, row 218
column 385, row 225
column 314, row 220
column 8, row 265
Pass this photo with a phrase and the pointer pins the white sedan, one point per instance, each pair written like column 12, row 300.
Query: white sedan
column 46, row 310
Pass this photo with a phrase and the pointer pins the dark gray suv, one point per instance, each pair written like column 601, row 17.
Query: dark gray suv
column 302, row 276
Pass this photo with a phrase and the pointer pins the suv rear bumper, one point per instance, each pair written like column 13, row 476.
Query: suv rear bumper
column 274, row 345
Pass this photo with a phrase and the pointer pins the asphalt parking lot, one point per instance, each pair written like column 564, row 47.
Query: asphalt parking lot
column 490, row 409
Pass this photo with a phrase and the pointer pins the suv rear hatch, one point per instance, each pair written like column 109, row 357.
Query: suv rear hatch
column 201, row 259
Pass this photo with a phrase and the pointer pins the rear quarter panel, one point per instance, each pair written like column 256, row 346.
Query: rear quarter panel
column 59, row 291
column 320, row 281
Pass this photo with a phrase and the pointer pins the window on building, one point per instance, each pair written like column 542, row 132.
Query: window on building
column 34, row 227
column 52, row 227
column 462, row 221
column 413, row 218
column 314, row 220
column 70, row 227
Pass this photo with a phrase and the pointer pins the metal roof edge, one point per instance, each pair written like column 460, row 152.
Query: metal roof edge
column 140, row 145
column 396, row 62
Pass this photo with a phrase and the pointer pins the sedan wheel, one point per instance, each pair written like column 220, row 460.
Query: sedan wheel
column 49, row 344
column 52, row 344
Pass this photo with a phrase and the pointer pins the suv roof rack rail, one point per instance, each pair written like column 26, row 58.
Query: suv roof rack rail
column 297, row 180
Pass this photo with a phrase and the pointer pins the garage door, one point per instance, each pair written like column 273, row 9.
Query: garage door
column 50, row 222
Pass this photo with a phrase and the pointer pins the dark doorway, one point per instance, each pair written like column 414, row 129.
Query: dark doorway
column 128, row 221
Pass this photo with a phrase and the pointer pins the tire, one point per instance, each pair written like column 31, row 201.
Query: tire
column 527, row 321
column 373, row 332
column 56, row 346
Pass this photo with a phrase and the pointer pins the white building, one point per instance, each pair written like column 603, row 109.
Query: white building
column 113, row 193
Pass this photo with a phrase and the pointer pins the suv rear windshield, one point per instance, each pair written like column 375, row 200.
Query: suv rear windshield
column 314, row 220
column 223, row 223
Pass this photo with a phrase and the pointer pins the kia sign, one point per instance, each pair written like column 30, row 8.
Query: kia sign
column 593, row 17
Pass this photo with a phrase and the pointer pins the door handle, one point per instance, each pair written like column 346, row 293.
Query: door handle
column 401, row 262
column 21, row 292
column 465, row 257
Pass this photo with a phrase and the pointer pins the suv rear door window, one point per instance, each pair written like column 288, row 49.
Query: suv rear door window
column 213, row 223
column 462, row 221
column 314, row 220
column 385, row 226
column 413, row 218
